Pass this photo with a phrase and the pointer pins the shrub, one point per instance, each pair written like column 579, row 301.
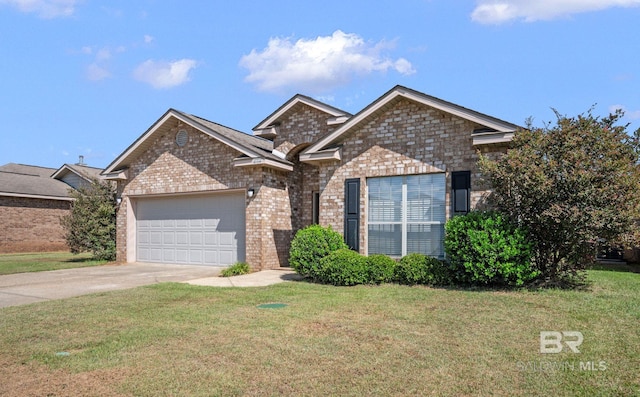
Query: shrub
column 236, row 269
column 91, row 224
column 570, row 184
column 343, row 267
column 484, row 248
column 416, row 268
column 381, row 269
column 310, row 245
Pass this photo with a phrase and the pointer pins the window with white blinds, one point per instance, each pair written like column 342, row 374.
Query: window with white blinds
column 406, row 214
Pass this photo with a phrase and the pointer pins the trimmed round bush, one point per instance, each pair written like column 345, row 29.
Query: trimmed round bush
column 310, row 245
column 381, row 269
column 416, row 268
column 344, row 267
column 484, row 248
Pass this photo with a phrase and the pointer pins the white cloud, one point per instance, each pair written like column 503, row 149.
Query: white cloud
column 96, row 72
column 45, row 8
column 628, row 114
column 500, row 11
column 148, row 38
column 163, row 74
column 318, row 64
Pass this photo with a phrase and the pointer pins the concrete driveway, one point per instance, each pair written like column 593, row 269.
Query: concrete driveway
column 24, row 288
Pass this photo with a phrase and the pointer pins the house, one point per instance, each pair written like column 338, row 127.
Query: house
column 193, row 191
column 32, row 200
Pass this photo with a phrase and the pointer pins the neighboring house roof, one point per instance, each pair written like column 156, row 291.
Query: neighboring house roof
column 497, row 131
column 76, row 174
column 254, row 150
column 267, row 126
column 18, row 180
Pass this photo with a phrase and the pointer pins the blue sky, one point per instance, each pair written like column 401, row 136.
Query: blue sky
column 83, row 77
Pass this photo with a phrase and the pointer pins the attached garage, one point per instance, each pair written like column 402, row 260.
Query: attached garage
column 191, row 229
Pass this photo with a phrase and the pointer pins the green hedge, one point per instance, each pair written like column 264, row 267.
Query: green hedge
column 417, row 268
column 344, row 267
column 310, row 245
column 483, row 248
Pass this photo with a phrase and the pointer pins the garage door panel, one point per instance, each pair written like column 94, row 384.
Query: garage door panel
column 155, row 237
column 211, row 256
column 144, row 255
column 182, row 256
column 195, row 256
column 143, row 237
column 227, row 256
column 155, row 254
column 210, row 239
column 182, row 238
column 168, row 238
column 195, row 238
column 191, row 229
column 226, row 239
column 168, row 255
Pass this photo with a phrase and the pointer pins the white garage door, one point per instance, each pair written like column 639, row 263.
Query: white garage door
column 208, row 230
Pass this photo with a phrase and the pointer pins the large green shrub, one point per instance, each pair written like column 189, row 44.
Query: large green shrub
column 416, row 268
column 91, row 224
column 381, row 269
column 571, row 185
column 344, row 267
column 310, row 245
column 484, row 248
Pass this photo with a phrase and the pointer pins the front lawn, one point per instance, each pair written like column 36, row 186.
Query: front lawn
column 176, row 339
column 42, row 261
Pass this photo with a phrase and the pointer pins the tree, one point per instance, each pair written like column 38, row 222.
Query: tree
column 570, row 185
column 91, row 225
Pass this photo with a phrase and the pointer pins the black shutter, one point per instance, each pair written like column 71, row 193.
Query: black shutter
column 461, row 192
column 352, row 213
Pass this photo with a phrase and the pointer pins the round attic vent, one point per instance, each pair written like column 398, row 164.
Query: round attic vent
column 181, row 138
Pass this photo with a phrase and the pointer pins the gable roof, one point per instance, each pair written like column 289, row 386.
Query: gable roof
column 257, row 150
column 500, row 130
column 337, row 116
column 19, row 180
column 83, row 171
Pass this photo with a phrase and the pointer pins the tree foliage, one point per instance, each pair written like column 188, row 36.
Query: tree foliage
column 91, row 224
column 570, row 185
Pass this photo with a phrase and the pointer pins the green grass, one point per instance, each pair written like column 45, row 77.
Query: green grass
column 42, row 261
column 176, row 339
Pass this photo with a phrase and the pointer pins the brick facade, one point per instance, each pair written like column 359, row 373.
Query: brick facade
column 204, row 165
column 404, row 137
column 32, row 225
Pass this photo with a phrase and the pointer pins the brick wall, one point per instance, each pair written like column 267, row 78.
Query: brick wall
column 301, row 126
column 32, row 225
column 406, row 138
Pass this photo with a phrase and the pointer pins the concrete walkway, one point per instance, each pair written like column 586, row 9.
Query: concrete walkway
column 258, row 279
column 25, row 288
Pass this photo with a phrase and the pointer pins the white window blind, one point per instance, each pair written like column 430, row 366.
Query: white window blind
column 406, row 214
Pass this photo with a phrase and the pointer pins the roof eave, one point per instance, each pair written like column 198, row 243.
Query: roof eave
column 400, row 91
column 35, row 196
column 121, row 161
column 490, row 138
column 269, row 122
column 334, row 154
column 261, row 162
column 118, row 175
